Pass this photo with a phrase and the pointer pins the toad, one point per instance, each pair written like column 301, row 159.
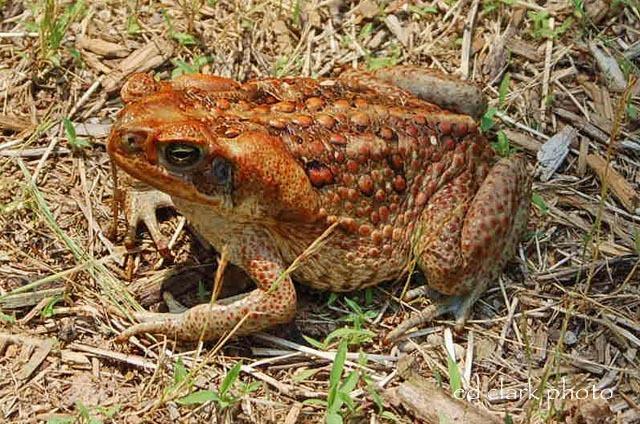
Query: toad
column 375, row 171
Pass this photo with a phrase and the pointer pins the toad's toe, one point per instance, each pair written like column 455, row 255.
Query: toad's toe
column 140, row 205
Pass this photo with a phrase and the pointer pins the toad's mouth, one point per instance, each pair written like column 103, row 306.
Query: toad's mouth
column 151, row 174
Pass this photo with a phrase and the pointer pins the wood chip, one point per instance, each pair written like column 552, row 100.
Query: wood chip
column 496, row 60
column 601, row 98
column 633, row 51
column 87, row 129
column 583, row 125
column 631, row 144
column 20, row 300
column 539, row 343
column 294, row 412
column 146, row 58
column 596, row 10
column 367, row 9
column 582, row 156
column 522, row 48
column 428, row 402
column 93, row 61
column 467, row 38
column 522, row 140
column 609, row 67
column 13, row 123
column 593, row 410
column 546, row 75
column 393, row 24
column 42, row 351
column 102, row 48
column 623, row 191
column 74, row 358
column 553, row 152
column 134, row 360
column 601, row 122
column 33, row 153
column 618, row 225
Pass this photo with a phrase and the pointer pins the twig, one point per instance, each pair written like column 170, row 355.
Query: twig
column 83, row 99
column 467, row 39
column 21, row 34
column 329, row 356
column 546, row 75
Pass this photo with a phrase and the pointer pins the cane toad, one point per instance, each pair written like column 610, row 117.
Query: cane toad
column 390, row 162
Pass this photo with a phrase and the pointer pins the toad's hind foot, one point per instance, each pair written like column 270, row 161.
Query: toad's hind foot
column 459, row 306
column 140, row 205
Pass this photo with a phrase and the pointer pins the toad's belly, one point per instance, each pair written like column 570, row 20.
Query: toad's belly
column 333, row 268
column 343, row 262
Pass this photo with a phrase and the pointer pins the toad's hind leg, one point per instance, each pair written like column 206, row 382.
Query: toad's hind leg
column 446, row 91
column 465, row 239
column 273, row 302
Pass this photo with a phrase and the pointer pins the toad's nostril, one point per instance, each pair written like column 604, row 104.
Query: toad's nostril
column 132, row 141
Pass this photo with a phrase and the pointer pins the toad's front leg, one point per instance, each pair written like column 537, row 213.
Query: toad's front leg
column 140, row 205
column 273, row 302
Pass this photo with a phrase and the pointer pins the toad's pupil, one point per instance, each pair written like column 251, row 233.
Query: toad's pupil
column 182, row 154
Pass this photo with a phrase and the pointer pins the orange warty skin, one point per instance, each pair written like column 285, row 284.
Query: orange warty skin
column 266, row 167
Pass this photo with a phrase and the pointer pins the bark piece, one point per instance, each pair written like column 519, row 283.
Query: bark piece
column 524, row 49
column 588, row 411
column 618, row 184
column 429, row 403
column 395, row 26
column 497, row 58
column 610, row 68
column 597, row 10
column 40, row 348
column 523, row 140
column 146, row 58
column 633, row 51
column 94, row 62
column 582, row 157
column 601, row 98
column 84, row 129
column 583, row 125
column 20, row 300
column 13, row 123
column 553, row 152
column 102, row 48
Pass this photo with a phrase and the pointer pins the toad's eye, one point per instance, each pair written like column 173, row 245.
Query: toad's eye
column 181, row 156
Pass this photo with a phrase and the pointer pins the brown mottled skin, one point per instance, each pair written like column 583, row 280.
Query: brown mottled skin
column 265, row 167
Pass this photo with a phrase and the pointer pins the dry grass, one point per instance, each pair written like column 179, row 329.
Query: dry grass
column 566, row 314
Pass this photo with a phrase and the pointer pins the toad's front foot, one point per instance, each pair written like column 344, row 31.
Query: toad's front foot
column 140, row 205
